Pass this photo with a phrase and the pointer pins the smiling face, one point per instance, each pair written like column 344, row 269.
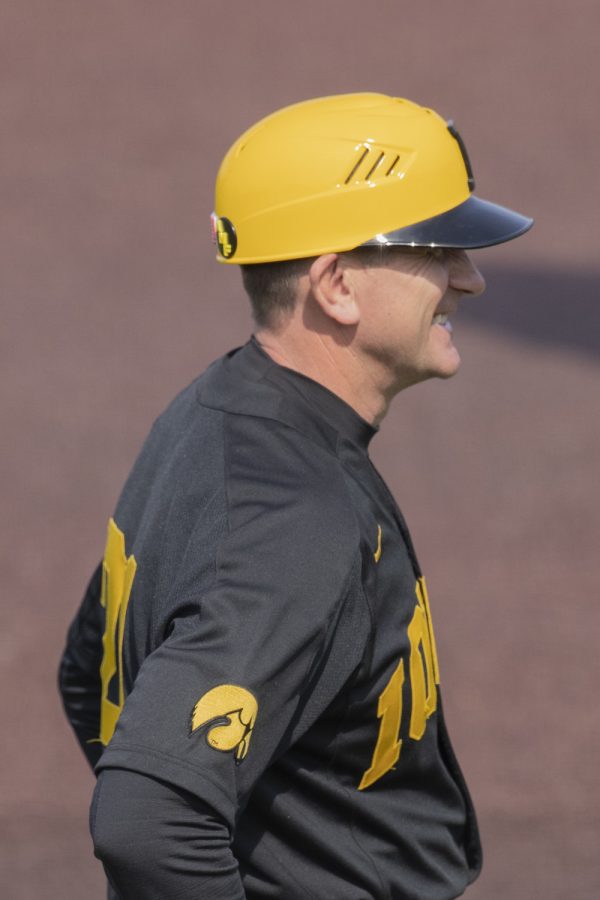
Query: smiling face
column 407, row 297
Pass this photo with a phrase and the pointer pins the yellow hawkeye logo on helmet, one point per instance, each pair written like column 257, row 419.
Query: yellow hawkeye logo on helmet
column 224, row 235
column 227, row 714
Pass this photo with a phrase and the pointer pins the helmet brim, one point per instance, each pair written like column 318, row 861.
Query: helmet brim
column 470, row 225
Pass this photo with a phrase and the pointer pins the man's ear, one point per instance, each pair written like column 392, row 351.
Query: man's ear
column 333, row 289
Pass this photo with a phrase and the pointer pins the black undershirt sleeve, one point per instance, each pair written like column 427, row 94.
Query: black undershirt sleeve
column 157, row 841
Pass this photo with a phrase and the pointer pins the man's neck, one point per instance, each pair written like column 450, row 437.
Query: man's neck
column 330, row 363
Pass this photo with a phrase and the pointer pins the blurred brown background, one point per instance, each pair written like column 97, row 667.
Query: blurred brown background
column 115, row 115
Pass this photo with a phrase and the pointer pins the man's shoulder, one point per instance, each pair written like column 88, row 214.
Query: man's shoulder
column 280, row 459
column 262, row 442
column 233, row 384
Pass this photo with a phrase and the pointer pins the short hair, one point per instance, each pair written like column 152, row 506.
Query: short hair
column 272, row 289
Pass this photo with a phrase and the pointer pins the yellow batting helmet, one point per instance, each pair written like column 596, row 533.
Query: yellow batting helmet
column 340, row 172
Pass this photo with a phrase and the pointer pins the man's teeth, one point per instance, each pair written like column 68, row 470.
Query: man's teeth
column 443, row 320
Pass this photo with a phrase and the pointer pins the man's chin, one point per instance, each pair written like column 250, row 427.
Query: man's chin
column 447, row 368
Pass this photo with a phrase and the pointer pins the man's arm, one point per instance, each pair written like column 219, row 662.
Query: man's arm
column 79, row 672
column 157, row 841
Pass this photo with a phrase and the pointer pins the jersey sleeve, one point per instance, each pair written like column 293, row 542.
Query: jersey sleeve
column 282, row 628
column 159, row 842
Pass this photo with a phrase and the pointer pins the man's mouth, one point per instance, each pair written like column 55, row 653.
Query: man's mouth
column 443, row 320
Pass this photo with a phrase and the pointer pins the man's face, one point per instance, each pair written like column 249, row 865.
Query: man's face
column 407, row 300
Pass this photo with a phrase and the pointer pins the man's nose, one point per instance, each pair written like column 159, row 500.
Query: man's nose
column 464, row 275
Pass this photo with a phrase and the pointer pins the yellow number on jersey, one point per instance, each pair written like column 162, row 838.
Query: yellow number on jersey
column 424, row 677
column 423, row 664
column 387, row 749
column 118, row 572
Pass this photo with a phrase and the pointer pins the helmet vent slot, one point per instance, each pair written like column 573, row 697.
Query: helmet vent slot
column 374, row 166
column 392, row 167
column 354, row 169
column 384, row 165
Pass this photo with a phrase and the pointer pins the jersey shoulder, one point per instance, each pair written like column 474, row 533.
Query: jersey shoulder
column 272, row 469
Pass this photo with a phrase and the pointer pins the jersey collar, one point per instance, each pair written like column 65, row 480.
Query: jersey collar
column 248, row 382
column 324, row 402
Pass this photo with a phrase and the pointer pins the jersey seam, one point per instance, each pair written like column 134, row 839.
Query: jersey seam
column 284, row 867
column 189, row 595
column 226, row 486
column 228, row 502
column 344, row 593
column 292, row 877
column 368, row 856
column 271, row 418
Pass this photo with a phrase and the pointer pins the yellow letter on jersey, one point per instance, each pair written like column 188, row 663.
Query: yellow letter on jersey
column 118, row 572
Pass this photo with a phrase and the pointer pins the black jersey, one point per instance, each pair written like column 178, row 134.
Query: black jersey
column 268, row 644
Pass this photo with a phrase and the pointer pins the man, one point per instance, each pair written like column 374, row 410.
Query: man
column 260, row 628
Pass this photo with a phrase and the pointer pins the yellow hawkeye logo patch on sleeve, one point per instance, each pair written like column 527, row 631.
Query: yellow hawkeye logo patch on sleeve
column 227, row 713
